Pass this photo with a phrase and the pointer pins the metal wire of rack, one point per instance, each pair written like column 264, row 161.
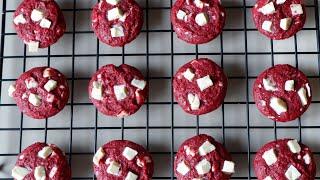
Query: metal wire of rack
column 147, row 54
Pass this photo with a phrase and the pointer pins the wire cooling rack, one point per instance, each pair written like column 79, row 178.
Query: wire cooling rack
column 160, row 125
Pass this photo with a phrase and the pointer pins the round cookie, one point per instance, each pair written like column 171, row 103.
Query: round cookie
column 285, row 159
column 200, row 86
column 282, row 93
column 118, row 91
column 39, row 23
column 198, row 21
column 117, row 22
column 42, row 161
column 41, row 92
column 121, row 159
column 203, row 157
column 279, row 19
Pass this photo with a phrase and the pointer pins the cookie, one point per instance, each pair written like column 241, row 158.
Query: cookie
column 121, row 159
column 39, row 23
column 41, row 92
column 282, row 93
column 285, row 159
column 200, row 86
column 117, row 22
column 118, row 91
column 279, row 19
column 198, row 21
column 42, row 161
column 201, row 157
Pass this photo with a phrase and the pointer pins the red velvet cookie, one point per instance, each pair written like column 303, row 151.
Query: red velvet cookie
column 282, row 93
column 117, row 22
column 41, row 92
column 198, row 21
column 122, row 159
column 200, row 86
column 39, row 23
column 118, row 91
column 42, row 161
column 202, row 157
column 285, row 159
column 279, row 19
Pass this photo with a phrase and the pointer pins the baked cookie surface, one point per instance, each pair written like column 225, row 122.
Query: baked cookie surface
column 282, row 93
column 198, row 21
column 285, row 159
column 279, row 19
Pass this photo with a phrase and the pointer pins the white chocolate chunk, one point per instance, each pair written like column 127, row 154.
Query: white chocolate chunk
column 117, row 31
column 53, row 172
column 308, row 90
column 33, row 46
column 19, row 172
column 198, row 3
column 206, row 148
column 202, row 19
column 45, row 23
column 123, row 18
column 31, row 83
column 270, row 157
column 50, row 85
column 307, row 159
column 189, row 151
column 228, row 167
column 285, row 23
column 188, row 74
column 181, row 15
column 278, row 105
column 140, row 84
column 267, row 9
column 45, row 152
column 267, row 26
column 46, row 73
column 194, row 101
column 34, row 99
column 36, row 15
column 292, row 173
column 294, row 146
column 303, row 96
column 114, row 14
column 203, row 167
column 39, row 173
column 296, row 9
column 204, row 82
column 269, row 85
column 21, row 156
column 131, row 176
column 120, row 92
column 140, row 163
column 113, row 168
column 267, row 178
column 129, row 153
column 19, row 20
column 11, row 90
column 113, row 2
column 289, row 85
column 24, row 96
column 98, row 156
column 182, row 168
column 96, row 92
column 108, row 161
column 280, row 1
